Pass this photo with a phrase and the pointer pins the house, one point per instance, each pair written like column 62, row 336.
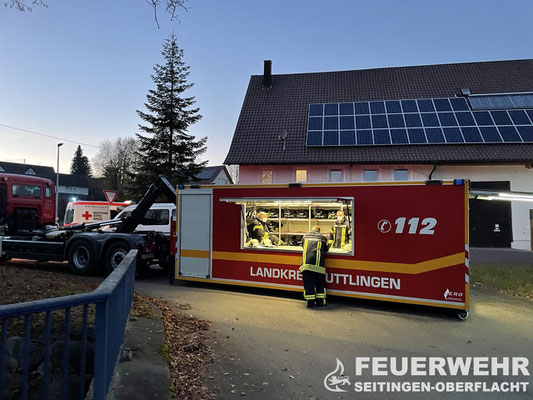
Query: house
column 215, row 175
column 466, row 120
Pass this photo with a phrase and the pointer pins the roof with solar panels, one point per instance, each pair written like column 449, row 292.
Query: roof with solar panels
column 479, row 112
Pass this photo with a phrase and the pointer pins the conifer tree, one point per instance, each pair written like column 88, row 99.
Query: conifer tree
column 166, row 147
column 80, row 163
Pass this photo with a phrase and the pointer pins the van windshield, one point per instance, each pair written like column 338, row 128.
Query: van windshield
column 69, row 216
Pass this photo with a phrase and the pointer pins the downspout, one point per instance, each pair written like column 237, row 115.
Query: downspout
column 431, row 173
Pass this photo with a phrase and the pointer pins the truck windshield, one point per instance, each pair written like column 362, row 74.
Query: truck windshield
column 26, row 190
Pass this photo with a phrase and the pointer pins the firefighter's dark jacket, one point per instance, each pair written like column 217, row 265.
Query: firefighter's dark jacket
column 340, row 234
column 258, row 230
column 314, row 253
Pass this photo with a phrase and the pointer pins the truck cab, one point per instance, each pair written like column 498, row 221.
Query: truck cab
column 27, row 203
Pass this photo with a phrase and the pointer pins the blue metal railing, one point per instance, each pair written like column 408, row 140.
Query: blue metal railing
column 112, row 300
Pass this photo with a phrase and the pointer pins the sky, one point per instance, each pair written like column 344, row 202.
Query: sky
column 79, row 70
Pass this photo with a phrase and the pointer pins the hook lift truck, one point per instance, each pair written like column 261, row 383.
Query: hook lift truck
column 84, row 246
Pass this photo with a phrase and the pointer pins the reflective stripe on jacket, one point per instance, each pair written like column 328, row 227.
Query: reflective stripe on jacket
column 315, row 246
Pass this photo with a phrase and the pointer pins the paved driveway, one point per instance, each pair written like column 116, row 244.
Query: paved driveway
column 271, row 347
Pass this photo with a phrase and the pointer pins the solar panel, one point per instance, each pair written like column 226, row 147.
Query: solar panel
column 347, row 138
column 347, row 122
column 420, row 121
column 430, row 119
column 399, row 136
column 377, row 107
column 346, row 108
column 364, row 137
column 495, row 101
column 435, row 135
column 362, row 122
column 382, row 136
column 331, row 138
column 416, row 136
column 526, row 132
column 393, row 107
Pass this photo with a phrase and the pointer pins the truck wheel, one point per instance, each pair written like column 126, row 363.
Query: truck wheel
column 114, row 255
column 463, row 315
column 81, row 258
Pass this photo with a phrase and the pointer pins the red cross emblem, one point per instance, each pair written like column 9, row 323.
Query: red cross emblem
column 86, row 215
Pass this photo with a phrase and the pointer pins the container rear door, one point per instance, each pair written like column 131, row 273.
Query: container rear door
column 194, row 233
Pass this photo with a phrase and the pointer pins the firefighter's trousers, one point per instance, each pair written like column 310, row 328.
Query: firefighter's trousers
column 314, row 287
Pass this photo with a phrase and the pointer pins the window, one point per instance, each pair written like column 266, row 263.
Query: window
column 301, row 175
column 401, row 175
column 156, row 217
column 266, row 176
column 335, row 175
column 48, row 192
column 26, row 190
column 370, row 175
column 69, row 216
column 289, row 219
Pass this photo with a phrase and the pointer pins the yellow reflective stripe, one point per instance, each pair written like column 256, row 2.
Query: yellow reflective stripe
column 313, row 268
column 320, row 296
column 347, row 262
column 258, row 227
column 343, row 237
column 304, row 254
column 265, row 236
column 317, row 262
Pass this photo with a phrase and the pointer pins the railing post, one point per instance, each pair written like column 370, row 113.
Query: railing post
column 3, row 350
column 100, row 351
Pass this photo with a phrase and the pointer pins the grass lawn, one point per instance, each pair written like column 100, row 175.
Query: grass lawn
column 512, row 279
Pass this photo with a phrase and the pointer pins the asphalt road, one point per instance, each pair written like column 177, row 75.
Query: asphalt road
column 501, row 256
column 270, row 346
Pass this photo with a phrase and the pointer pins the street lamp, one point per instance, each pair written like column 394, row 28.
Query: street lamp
column 57, row 182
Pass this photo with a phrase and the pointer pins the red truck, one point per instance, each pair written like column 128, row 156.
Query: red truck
column 27, row 209
column 27, row 203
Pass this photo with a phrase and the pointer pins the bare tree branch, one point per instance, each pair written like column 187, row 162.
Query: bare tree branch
column 21, row 5
column 171, row 7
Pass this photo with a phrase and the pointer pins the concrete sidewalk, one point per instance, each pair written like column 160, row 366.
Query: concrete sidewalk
column 146, row 375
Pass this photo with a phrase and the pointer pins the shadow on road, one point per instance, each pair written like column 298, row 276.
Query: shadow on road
column 160, row 278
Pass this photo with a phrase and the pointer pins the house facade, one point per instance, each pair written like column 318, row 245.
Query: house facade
column 468, row 120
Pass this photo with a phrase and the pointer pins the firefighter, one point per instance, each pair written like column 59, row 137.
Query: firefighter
column 341, row 232
column 313, row 268
column 258, row 230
